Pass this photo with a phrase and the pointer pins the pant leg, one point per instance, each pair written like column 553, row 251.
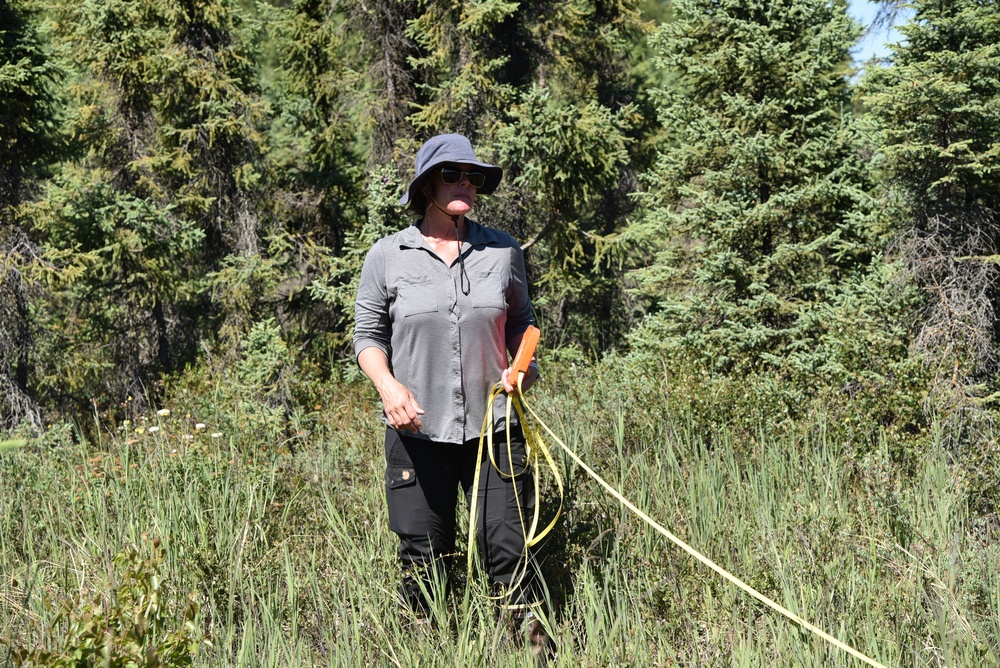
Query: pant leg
column 501, row 528
column 421, row 489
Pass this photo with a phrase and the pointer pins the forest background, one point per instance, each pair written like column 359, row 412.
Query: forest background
column 766, row 277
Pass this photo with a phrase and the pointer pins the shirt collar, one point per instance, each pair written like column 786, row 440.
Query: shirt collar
column 477, row 235
column 411, row 237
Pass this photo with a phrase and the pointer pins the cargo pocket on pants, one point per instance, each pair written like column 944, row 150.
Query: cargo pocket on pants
column 400, row 486
column 400, row 476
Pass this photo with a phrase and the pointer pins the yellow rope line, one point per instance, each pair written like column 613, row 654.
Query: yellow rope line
column 519, row 402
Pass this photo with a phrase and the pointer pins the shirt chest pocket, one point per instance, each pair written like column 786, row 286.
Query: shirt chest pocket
column 416, row 295
column 487, row 290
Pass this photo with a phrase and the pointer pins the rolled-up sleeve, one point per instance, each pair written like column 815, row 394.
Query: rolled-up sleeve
column 519, row 313
column 372, row 327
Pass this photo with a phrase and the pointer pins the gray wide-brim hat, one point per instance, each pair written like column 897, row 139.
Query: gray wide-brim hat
column 447, row 149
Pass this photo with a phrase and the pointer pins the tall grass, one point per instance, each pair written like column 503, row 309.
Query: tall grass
column 289, row 555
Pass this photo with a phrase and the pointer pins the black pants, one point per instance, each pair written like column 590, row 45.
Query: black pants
column 421, row 483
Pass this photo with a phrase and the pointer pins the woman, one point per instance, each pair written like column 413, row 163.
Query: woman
column 440, row 306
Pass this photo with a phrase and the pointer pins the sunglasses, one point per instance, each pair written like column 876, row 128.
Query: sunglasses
column 476, row 179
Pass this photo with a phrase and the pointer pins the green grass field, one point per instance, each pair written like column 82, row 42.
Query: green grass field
column 256, row 548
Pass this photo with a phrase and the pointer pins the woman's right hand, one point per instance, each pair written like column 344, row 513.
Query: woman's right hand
column 401, row 408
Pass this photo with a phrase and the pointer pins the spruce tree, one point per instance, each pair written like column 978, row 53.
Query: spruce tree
column 574, row 142
column 381, row 54
column 152, row 229
column 937, row 107
column 320, row 121
column 753, row 224
column 27, row 143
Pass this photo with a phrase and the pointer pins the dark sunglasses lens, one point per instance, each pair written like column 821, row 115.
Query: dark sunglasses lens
column 476, row 179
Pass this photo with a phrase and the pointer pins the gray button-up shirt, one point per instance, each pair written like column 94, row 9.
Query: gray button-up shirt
column 447, row 347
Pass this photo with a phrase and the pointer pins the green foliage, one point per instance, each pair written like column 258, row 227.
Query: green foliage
column 212, row 181
column 259, row 394
column 857, row 371
column 566, row 162
column 125, row 249
column 189, row 189
column 169, row 99
column 209, row 116
column 936, row 107
column 466, row 85
column 12, row 444
column 755, row 212
column 158, row 232
column 385, row 216
column 188, row 118
column 132, row 625
column 311, row 140
column 563, row 158
column 378, row 52
column 121, row 279
column 260, row 382
column 937, row 119
column 17, row 403
column 28, row 138
column 244, row 287
column 27, row 103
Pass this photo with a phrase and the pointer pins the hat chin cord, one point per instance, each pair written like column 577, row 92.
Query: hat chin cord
column 466, row 283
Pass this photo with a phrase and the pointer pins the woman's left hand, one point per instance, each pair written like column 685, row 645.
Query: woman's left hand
column 509, row 381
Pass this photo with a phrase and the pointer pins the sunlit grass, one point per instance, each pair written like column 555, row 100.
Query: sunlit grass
column 289, row 554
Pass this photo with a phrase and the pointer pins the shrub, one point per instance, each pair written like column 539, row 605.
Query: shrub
column 131, row 625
